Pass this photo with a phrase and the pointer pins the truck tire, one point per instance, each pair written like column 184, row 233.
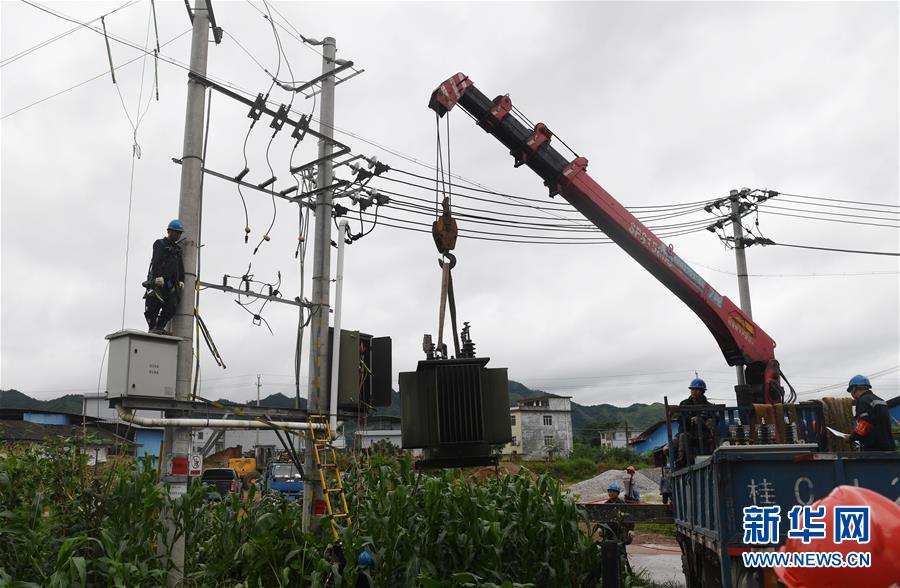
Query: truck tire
column 251, row 479
column 711, row 573
column 689, row 563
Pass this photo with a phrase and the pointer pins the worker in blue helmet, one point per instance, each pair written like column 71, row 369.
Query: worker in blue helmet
column 873, row 422
column 613, row 491
column 695, row 428
column 165, row 279
column 623, row 533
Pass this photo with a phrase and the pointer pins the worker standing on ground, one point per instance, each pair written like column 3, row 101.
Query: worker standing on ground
column 665, row 485
column 688, row 427
column 873, row 424
column 165, row 279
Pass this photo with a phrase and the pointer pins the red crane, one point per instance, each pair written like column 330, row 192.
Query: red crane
column 742, row 341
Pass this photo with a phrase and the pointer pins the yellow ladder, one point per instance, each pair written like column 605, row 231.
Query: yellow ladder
column 329, row 473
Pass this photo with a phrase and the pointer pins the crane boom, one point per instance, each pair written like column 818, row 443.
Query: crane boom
column 741, row 340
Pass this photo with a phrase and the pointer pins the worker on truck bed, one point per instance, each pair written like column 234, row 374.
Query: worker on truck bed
column 165, row 279
column 631, row 493
column 688, row 426
column 623, row 533
column 873, row 424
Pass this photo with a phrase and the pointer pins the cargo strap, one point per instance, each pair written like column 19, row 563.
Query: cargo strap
column 329, row 473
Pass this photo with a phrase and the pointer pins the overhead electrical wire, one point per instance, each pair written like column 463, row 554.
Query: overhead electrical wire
column 843, row 215
column 135, row 155
column 863, row 252
column 897, row 206
column 840, row 206
column 103, row 73
column 25, row 52
column 833, row 220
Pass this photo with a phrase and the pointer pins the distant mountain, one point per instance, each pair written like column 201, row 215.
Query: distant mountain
column 70, row 403
column 638, row 416
column 277, row 400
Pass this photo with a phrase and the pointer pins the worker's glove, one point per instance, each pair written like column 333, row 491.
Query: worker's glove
column 180, row 285
column 159, row 282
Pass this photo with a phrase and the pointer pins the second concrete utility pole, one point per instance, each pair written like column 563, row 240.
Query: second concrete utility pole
column 741, row 261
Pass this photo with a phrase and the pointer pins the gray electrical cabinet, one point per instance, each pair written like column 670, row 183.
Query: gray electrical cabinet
column 141, row 364
column 364, row 370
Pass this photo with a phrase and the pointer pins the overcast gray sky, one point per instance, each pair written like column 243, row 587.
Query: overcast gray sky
column 671, row 103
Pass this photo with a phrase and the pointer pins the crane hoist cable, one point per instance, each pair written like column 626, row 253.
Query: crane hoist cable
column 444, row 231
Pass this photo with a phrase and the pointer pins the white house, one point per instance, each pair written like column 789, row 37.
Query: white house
column 541, row 428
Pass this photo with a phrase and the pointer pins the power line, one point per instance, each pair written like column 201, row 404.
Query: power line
column 51, row 40
column 103, row 73
column 825, row 212
column 872, row 376
column 841, row 200
column 890, row 253
column 833, row 220
column 808, row 275
column 823, row 205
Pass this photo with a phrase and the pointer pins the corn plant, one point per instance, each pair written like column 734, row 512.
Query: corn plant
column 423, row 528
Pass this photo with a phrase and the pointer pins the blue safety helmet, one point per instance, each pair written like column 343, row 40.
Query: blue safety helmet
column 175, row 225
column 698, row 384
column 365, row 560
column 858, row 381
column 614, row 487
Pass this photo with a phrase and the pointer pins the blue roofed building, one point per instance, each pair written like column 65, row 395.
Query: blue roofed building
column 654, row 437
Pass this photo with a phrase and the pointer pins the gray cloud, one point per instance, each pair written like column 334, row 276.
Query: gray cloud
column 671, row 102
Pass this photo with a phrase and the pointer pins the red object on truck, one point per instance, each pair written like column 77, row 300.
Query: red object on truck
column 884, row 541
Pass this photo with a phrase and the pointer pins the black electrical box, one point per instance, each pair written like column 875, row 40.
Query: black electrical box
column 364, row 370
column 456, row 409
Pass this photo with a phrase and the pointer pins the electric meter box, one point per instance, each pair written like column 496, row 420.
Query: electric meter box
column 141, row 364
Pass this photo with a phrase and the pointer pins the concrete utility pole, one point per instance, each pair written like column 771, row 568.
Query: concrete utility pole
column 318, row 332
column 258, row 385
column 741, row 260
column 178, row 440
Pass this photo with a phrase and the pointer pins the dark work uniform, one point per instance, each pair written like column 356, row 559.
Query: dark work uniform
column 161, row 302
column 617, row 531
column 873, row 423
column 688, row 433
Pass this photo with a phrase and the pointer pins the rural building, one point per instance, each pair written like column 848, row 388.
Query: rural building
column 616, row 437
column 147, row 441
column 38, row 426
column 378, row 428
column 541, row 428
column 654, row 437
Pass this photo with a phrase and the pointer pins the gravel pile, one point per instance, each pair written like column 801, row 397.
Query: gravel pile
column 654, row 474
column 595, row 488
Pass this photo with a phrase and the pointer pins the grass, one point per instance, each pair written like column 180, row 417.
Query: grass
column 656, row 529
